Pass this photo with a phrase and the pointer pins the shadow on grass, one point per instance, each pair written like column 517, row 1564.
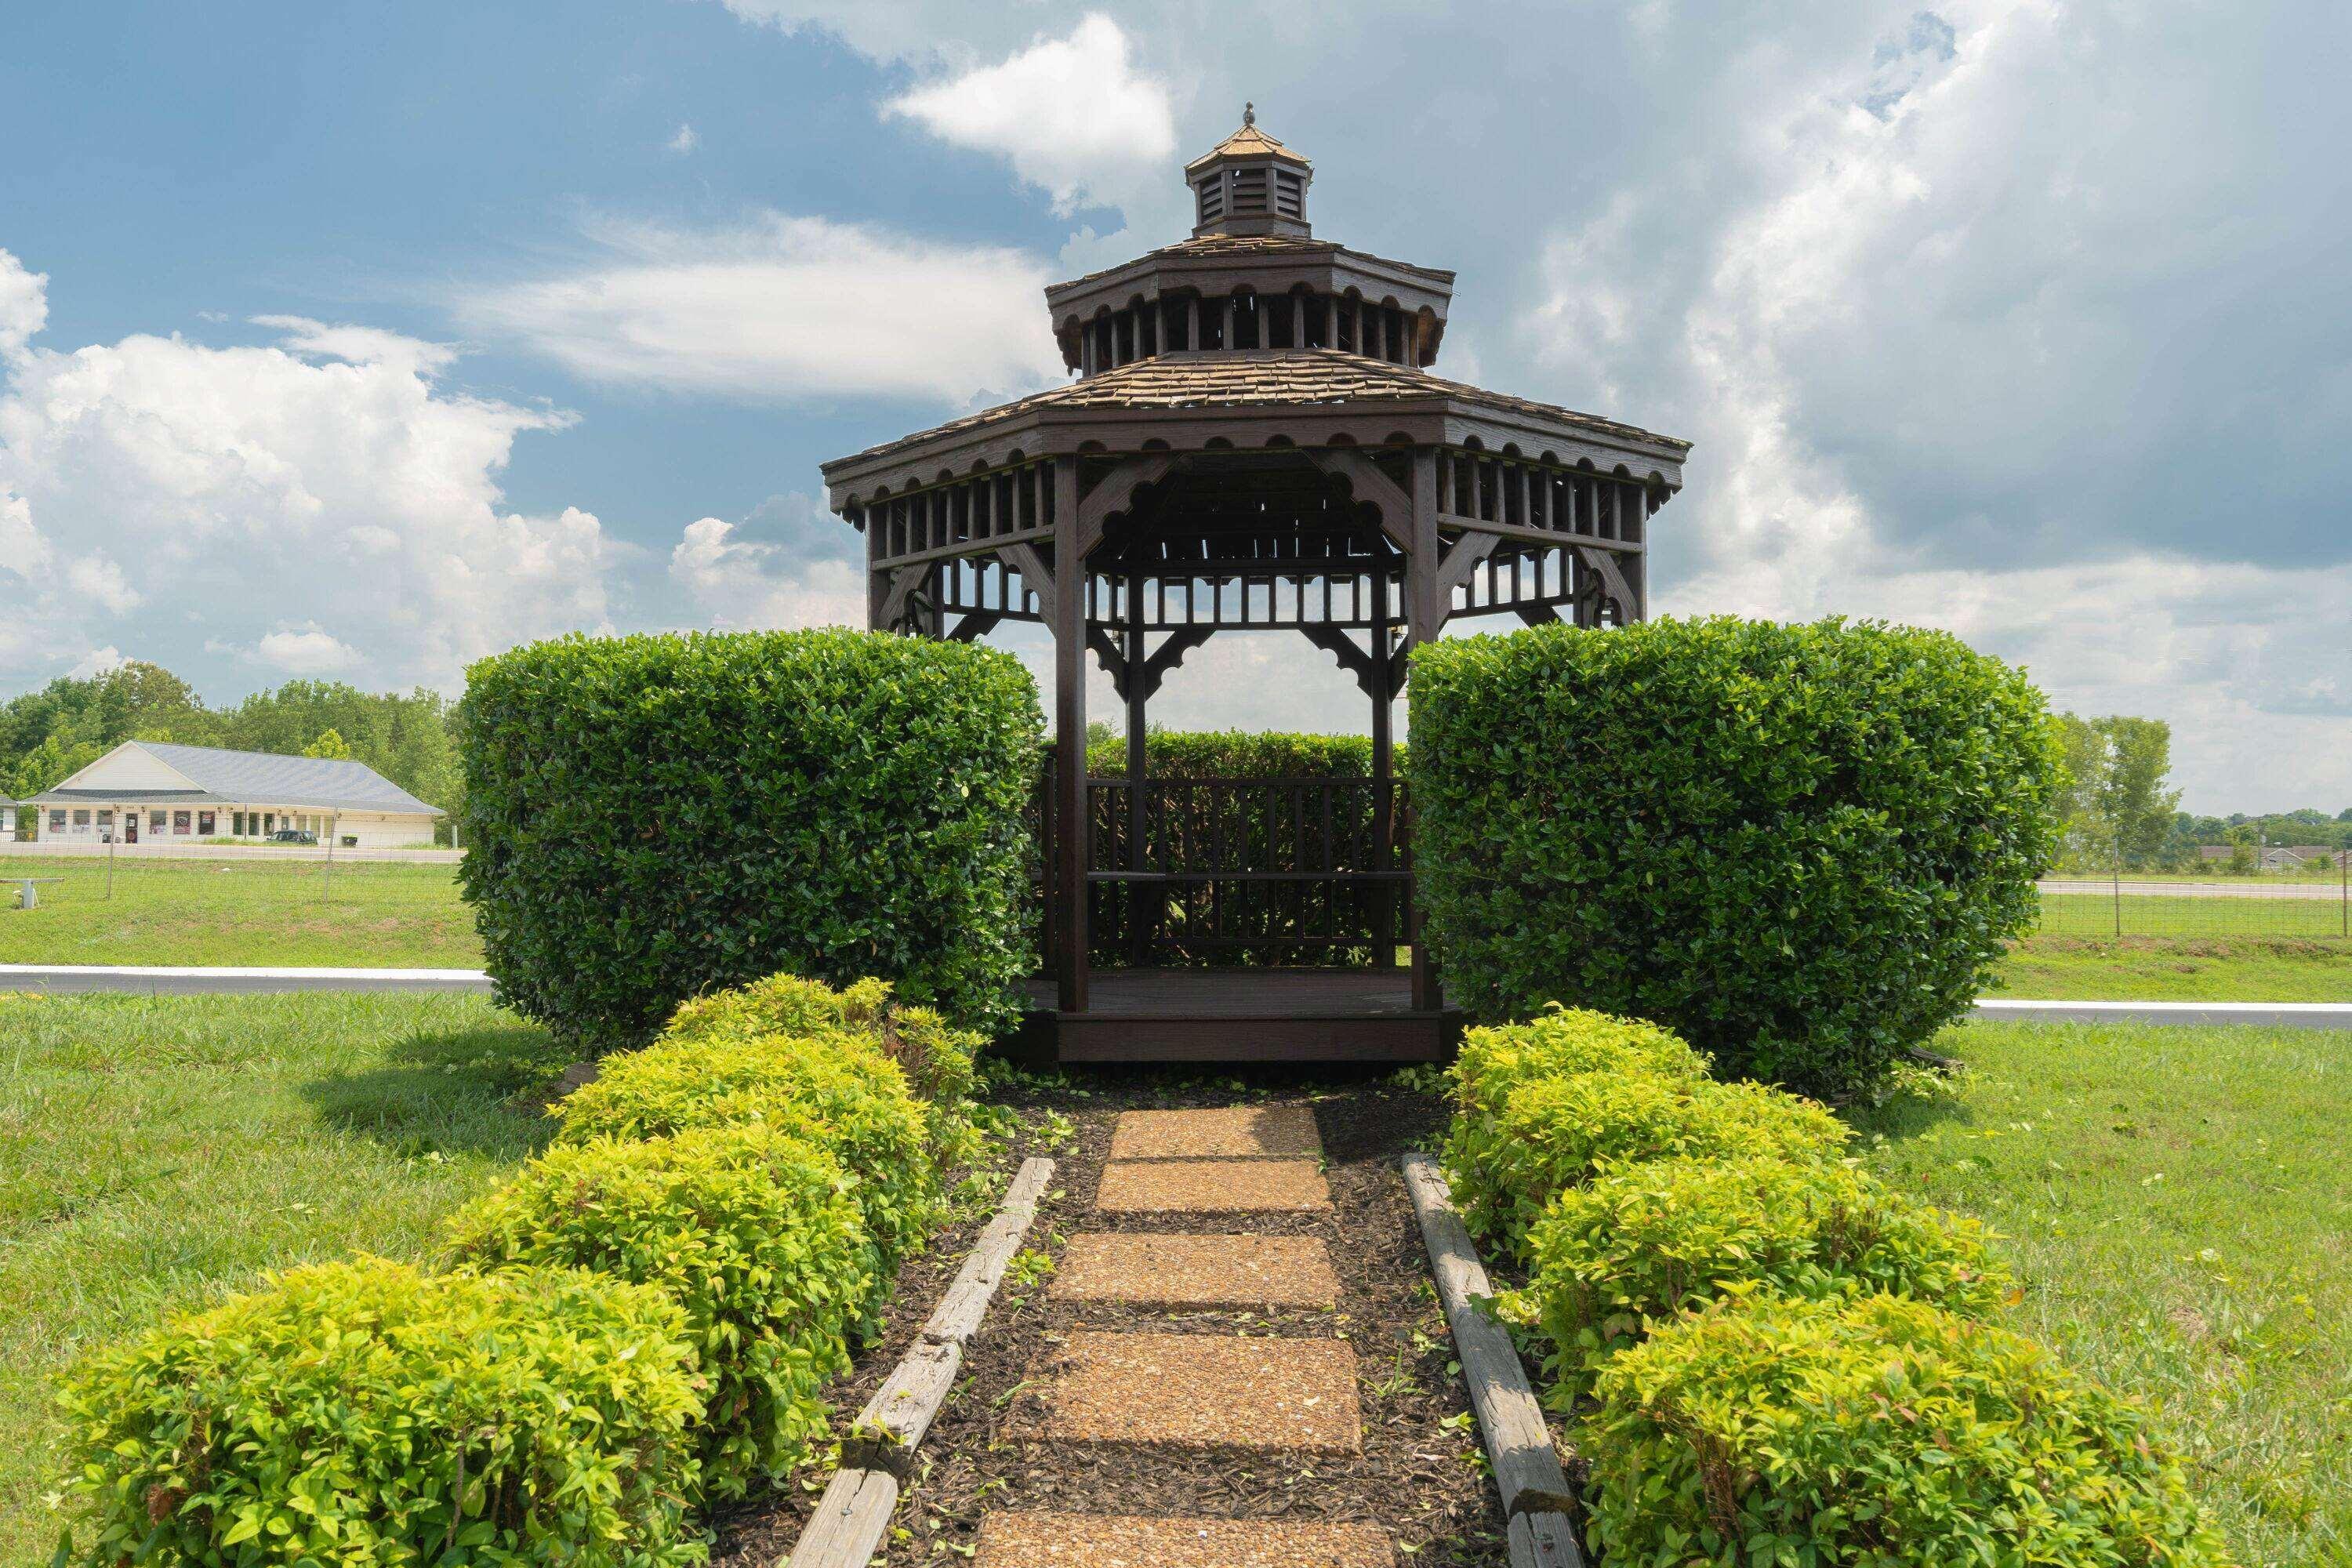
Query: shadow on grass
column 1916, row 1105
column 451, row 1090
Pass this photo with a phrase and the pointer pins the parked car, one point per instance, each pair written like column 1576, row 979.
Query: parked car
column 293, row 835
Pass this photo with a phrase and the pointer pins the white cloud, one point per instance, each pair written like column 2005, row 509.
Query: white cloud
column 742, row 585
column 24, row 305
column 311, row 502
column 359, row 345
column 1072, row 114
column 686, row 141
column 795, row 308
column 1963, row 339
column 305, row 651
column 98, row 661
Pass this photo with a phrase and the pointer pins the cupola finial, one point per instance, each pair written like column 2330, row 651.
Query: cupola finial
column 1249, row 115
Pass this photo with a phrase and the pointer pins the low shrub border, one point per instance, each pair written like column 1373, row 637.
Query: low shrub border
column 752, row 1232
column 1800, row 846
column 1769, row 1356
column 643, row 1317
column 365, row 1412
column 1879, row 1432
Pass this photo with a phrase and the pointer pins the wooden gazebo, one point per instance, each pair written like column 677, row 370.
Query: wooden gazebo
column 1252, row 440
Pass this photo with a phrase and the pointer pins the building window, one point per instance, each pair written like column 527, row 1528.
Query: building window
column 57, row 821
column 155, row 822
column 180, row 822
column 206, row 822
column 236, row 824
column 269, row 822
column 81, row 819
column 105, row 818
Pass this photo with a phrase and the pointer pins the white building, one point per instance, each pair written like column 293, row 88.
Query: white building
column 146, row 792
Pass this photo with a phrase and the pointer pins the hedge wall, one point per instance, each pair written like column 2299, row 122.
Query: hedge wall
column 650, row 817
column 1800, row 846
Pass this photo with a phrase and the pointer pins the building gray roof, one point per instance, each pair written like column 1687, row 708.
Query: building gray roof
column 261, row 778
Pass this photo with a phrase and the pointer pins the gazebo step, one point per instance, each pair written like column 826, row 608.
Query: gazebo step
column 1125, row 1541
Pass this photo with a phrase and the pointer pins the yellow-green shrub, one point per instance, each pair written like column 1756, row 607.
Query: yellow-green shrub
column 365, row 1413
column 1648, row 1240
column 936, row 1057
column 752, row 1233
column 1553, row 1133
column 1876, row 1432
column 829, row 1088
column 1495, row 1060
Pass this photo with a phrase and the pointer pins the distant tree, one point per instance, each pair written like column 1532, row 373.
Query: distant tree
column 2241, row 850
column 2117, row 805
column 329, row 744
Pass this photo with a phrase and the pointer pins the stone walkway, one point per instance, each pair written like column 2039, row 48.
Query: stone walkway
column 1193, row 1391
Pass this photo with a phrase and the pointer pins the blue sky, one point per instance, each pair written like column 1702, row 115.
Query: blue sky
column 364, row 341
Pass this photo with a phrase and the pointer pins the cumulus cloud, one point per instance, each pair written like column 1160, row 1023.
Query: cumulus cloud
column 23, row 304
column 1966, row 338
column 685, row 141
column 305, row 651
column 794, row 308
column 321, row 503
column 1073, row 115
column 787, row 565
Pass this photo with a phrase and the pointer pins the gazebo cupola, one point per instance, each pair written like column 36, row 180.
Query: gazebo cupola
column 1252, row 441
column 1250, row 183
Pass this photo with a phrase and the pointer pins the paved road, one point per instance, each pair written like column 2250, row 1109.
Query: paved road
column 163, row 981
column 186, row 982
column 2326, row 892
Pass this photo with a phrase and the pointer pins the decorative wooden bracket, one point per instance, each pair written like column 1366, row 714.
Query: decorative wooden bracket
column 975, row 625
column 1114, row 492
column 1355, row 660
column 1364, row 477
column 1612, row 581
column 1468, row 553
column 1165, row 658
column 904, row 581
column 1541, row 614
column 1036, row 576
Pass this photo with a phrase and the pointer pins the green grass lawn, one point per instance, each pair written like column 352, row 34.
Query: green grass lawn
column 2179, row 969
column 2175, row 1200
column 239, row 912
column 159, row 1154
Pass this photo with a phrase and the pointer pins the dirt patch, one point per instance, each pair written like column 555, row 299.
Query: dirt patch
column 1417, row 1480
column 1078, row 1540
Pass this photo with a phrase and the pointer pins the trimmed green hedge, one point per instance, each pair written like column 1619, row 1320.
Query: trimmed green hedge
column 1238, row 755
column 752, row 1232
column 1646, row 1241
column 651, row 817
column 1495, row 1059
column 1800, row 846
column 1876, row 1434
column 365, row 1413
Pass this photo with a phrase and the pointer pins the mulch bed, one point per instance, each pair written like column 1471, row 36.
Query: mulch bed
column 1418, row 1478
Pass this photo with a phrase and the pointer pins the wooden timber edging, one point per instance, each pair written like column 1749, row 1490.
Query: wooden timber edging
column 1536, row 1495
column 850, row 1519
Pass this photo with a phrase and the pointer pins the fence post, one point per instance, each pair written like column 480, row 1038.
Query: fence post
column 2344, row 880
column 327, row 882
column 110, row 867
column 2119, row 889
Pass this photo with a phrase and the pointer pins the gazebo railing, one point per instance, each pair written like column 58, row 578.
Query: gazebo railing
column 1216, row 871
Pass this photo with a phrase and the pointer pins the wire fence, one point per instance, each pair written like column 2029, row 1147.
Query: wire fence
column 2312, row 902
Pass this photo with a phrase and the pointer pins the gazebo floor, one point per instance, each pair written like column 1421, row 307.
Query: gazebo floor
column 1242, row 1015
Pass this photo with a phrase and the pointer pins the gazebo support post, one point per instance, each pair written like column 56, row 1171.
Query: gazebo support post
column 1424, row 618
column 1376, row 677
column 1139, row 692
column 1069, row 602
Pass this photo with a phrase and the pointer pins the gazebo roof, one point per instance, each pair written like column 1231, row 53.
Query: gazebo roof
column 1262, row 380
column 1251, row 248
column 1248, row 142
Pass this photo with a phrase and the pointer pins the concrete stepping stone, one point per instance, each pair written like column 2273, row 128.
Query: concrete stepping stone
column 1237, row 1133
column 1206, row 1391
column 1125, row 1541
column 1212, row 1186
column 1197, row 1272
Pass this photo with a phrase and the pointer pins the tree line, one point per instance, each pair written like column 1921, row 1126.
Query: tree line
column 49, row 735
column 2118, row 809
